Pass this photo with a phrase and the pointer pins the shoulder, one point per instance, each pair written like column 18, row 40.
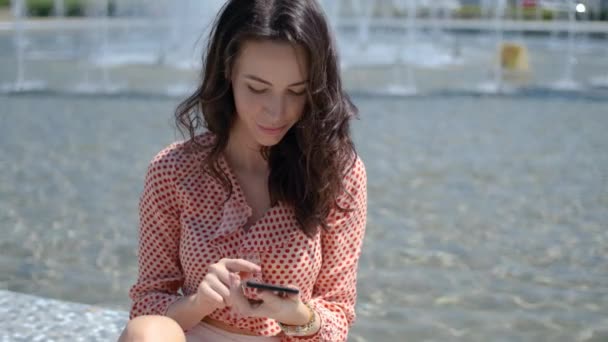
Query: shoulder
column 182, row 155
column 354, row 185
column 351, row 204
column 355, row 178
column 357, row 168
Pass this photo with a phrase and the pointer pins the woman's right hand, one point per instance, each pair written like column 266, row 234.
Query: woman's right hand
column 214, row 291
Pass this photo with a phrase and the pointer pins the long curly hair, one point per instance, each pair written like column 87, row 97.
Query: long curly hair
column 308, row 165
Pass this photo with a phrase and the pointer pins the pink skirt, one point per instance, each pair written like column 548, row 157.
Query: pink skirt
column 205, row 332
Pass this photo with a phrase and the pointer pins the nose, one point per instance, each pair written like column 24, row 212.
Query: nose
column 275, row 107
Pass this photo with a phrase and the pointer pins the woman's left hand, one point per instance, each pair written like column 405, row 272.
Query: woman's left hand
column 283, row 307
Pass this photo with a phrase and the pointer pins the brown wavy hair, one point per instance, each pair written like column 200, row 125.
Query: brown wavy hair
column 308, row 165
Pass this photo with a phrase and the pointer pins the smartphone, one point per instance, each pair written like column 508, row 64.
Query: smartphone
column 270, row 287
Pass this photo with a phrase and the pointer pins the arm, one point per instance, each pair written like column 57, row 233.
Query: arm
column 160, row 273
column 334, row 294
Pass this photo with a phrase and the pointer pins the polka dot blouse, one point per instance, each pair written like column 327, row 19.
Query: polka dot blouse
column 186, row 224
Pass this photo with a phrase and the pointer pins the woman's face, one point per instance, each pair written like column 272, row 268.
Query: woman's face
column 269, row 85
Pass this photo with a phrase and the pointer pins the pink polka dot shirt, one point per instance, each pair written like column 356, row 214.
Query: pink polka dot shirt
column 186, row 224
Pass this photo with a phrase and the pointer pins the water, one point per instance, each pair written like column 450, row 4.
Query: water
column 487, row 212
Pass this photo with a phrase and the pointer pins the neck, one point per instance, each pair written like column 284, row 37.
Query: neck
column 243, row 153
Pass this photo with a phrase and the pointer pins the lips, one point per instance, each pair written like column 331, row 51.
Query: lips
column 271, row 130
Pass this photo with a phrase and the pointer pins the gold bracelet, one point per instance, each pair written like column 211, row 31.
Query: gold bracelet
column 300, row 330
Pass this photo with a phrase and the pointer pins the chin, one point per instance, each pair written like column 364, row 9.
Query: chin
column 269, row 142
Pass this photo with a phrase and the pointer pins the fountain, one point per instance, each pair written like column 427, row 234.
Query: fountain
column 567, row 81
column 496, row 85
column 167, row 38
column 186, row 39
column 448, row 8
column 398, row 78
column 105, row 43
column 500, row 13
column 97, row 9
column 434, row 9
column 364, row 8
column 487, row 8
column 601, row 81
column 185, row 33
column 519, row 10
column 59, row 9
column 332, row 11
column 130, row 50
column 519, row 17
column 20, row 41
column 59, row 12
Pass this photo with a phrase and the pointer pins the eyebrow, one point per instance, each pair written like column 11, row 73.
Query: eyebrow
column 255, row 78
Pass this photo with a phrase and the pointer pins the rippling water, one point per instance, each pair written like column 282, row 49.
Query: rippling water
column 487, row 215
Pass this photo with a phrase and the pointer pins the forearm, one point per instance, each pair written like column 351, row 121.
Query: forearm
column 187, row 312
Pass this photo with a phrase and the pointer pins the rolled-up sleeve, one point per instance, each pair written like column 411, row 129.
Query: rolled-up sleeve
column 335, row 291
column 160, row 275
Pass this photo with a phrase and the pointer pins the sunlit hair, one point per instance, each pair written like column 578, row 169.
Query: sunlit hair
column 308, row 165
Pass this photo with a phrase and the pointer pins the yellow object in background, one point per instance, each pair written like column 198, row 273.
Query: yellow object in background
column 514, row 57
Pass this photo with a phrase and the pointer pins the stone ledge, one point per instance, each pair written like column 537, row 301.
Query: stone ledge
column 29, row 318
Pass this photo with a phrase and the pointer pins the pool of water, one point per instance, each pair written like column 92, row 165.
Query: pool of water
column 487, row 211
column 487, row 214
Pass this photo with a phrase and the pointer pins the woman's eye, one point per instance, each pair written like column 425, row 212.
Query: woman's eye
column 298, row 93
column 257, row 91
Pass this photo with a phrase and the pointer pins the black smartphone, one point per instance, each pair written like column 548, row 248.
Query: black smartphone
column 270, row 287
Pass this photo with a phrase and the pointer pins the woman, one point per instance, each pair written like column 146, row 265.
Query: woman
column 272, row 190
